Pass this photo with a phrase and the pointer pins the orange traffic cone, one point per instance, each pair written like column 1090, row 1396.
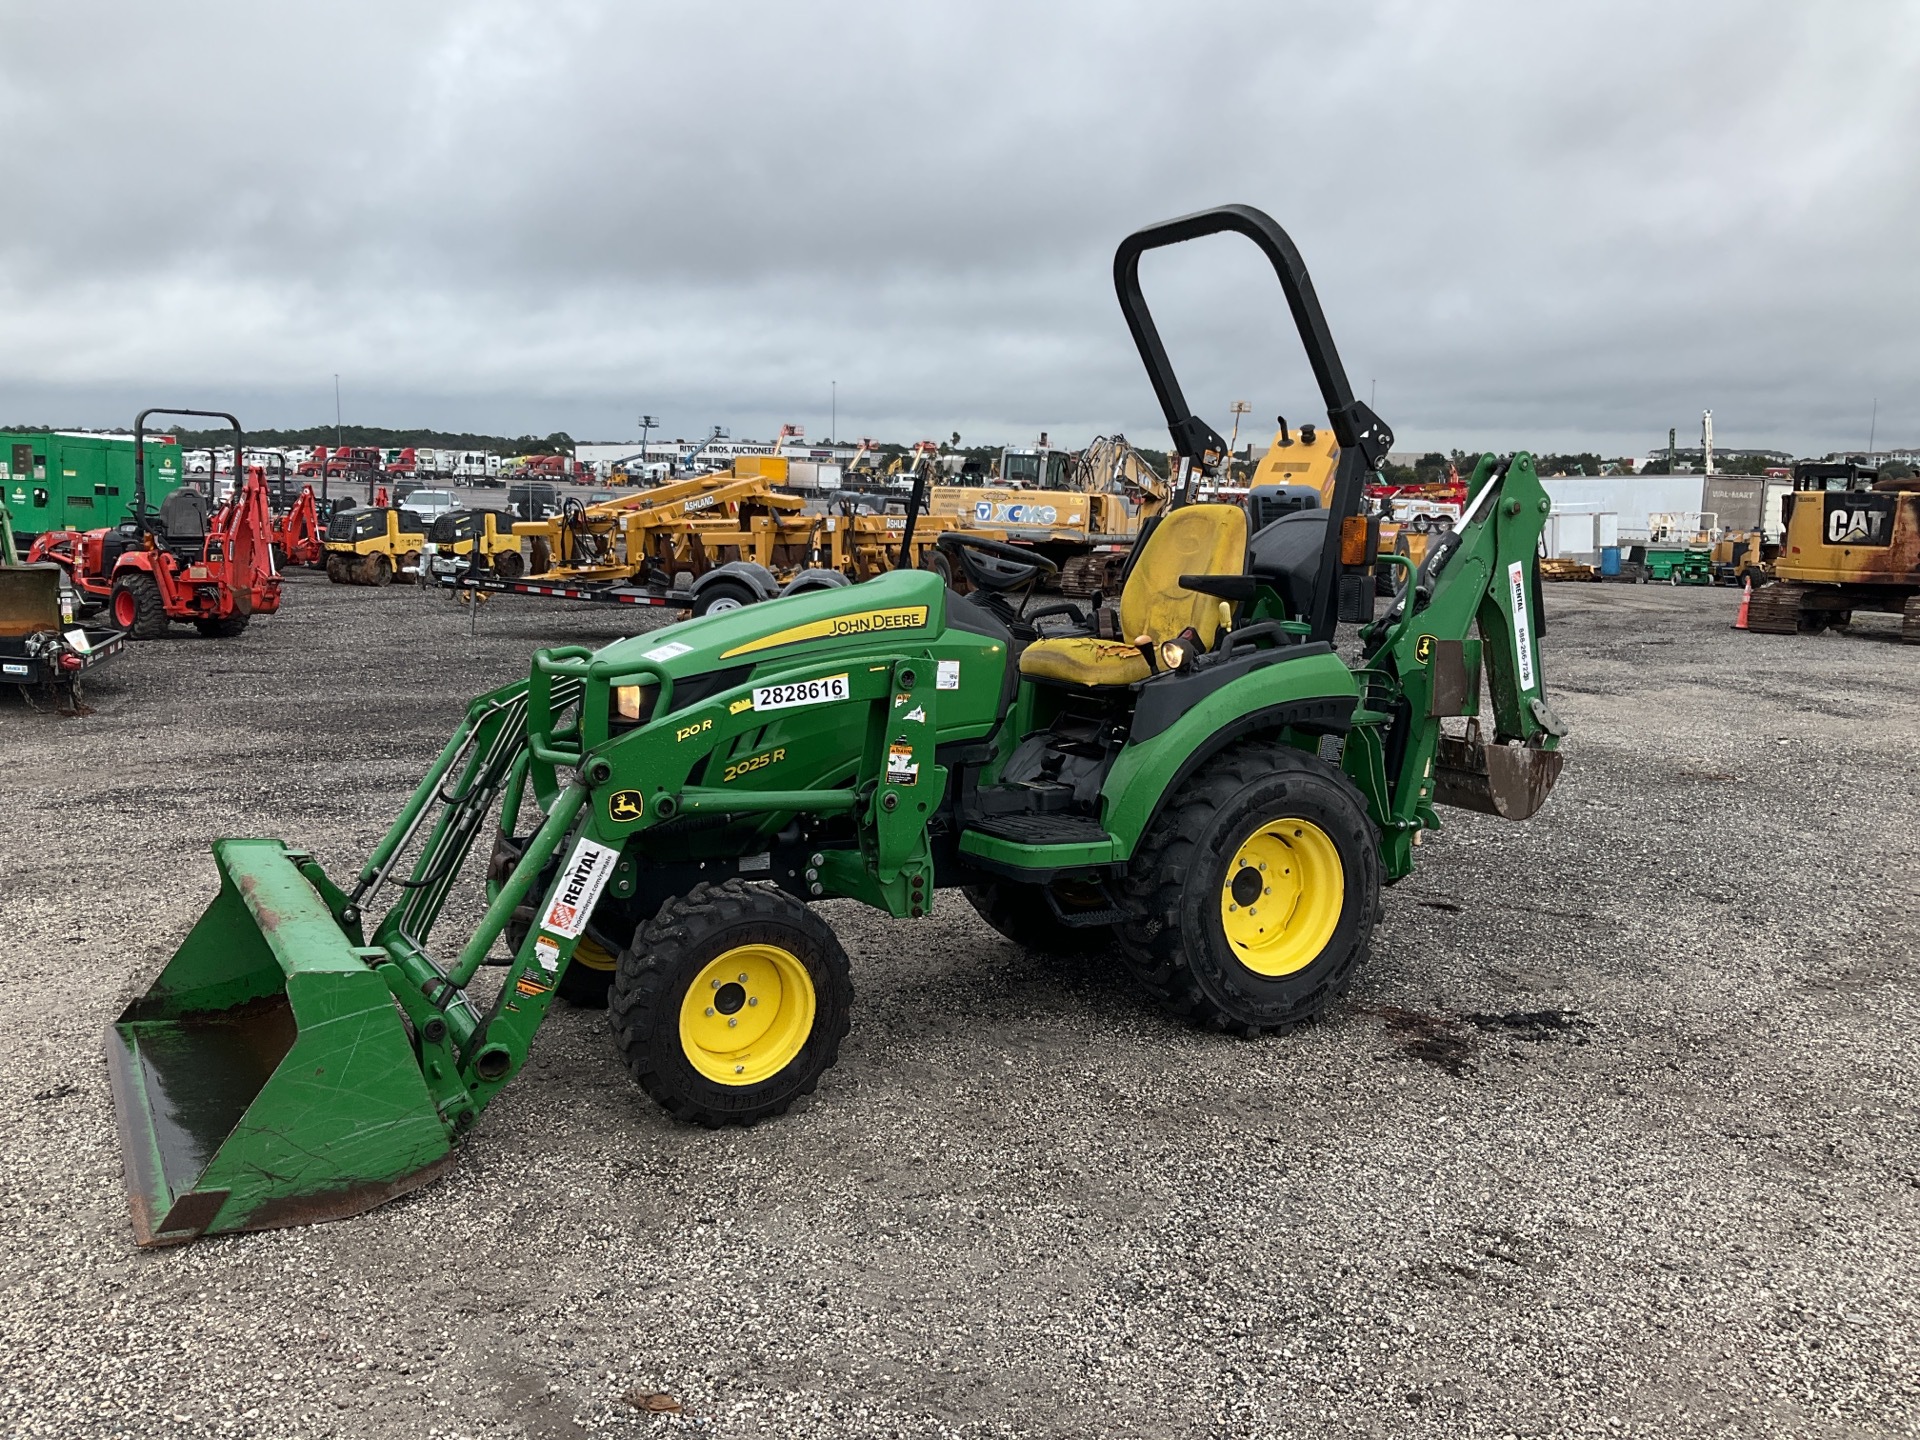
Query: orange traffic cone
column 1746, row 599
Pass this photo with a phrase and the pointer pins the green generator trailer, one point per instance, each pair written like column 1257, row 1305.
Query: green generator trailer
column 71, row 480
column 1196, row 781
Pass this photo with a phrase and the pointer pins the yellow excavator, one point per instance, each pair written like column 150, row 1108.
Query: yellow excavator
column 1850, row 541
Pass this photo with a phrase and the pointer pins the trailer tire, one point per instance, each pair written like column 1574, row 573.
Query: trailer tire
column 135, row 606
column 723, row 595
column 1021, row 913
column 222, row 629
column 676, row 1047
column 1266, row 804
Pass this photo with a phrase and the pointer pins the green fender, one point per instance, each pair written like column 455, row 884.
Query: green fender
column 1312, row 694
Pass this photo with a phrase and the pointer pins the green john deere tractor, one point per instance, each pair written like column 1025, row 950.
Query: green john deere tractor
column 1193, row 779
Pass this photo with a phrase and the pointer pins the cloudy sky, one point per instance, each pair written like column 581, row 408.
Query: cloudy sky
column 1550, row 225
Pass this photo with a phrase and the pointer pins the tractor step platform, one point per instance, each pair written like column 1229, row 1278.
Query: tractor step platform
column 1042, row 829
column 1037, row 847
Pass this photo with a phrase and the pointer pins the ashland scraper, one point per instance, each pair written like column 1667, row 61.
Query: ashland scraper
column 1195, row 781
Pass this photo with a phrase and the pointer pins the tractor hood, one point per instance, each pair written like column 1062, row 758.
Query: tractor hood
column 908, row 603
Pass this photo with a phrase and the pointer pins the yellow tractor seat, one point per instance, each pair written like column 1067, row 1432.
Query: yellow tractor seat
column 1193, row 540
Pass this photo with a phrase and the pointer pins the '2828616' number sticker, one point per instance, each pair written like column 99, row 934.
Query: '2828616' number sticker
column 801, row 692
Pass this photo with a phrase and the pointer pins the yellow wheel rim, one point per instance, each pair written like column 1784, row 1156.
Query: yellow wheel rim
column 747, row 1014
column 1281, row 899
column 592, row 955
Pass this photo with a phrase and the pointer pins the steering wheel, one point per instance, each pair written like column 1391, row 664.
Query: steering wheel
column 994, row 565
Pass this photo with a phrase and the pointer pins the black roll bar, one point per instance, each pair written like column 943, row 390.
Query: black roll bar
column 213, row 468
column 1363, row 439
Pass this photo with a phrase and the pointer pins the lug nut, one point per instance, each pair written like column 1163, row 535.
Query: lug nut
column 709, row 1010
column 731, row 1022
column 753, row 1000
column 743, row 977
column 716, row 984
column 739, row 1069
column 813, row 889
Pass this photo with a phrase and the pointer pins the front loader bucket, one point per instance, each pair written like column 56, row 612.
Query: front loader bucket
column 1511, row 781
column 267, row 1078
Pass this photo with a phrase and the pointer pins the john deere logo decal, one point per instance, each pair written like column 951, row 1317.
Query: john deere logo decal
column 860, row 622
column 1423, row 649
column 625, row 805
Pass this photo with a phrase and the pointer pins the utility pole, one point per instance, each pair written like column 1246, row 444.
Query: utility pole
column 336, row 411
column 1706, row 441
column 1672, row 450
column 833, row 425
column 1873, row 428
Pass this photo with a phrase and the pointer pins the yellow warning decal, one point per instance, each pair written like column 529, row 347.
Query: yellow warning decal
column 864, row 622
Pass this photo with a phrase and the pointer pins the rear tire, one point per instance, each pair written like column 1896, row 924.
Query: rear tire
column 793, row 1009
column 223, row 629
column 1021, row 913
column 375, row 569
column 136, row 607
column 1262, row 824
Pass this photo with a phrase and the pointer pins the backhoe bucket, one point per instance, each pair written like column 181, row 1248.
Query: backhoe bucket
column 267, row 1077
column 1511, row 781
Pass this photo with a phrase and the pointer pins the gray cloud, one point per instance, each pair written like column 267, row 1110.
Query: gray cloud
column 1555, row 226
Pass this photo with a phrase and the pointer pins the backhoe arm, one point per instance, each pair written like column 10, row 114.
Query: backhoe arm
column 1472, row 606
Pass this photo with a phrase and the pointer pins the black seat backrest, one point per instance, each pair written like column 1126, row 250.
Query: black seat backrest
column 1267, row 503
column 1286, row 555
column 183, row 515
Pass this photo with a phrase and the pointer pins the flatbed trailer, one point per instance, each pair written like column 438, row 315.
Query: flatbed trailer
column 604, row 593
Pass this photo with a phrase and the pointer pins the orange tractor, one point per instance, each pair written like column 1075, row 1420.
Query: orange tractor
column 214, row 572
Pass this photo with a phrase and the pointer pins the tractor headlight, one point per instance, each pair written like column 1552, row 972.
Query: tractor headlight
column 632, row 705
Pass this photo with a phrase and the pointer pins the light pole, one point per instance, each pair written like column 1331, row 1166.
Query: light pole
column 833, row 425
column 1240, row 407
column 336, row 411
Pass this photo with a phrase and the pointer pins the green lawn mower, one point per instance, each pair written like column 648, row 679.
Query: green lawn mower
column 1192, row 779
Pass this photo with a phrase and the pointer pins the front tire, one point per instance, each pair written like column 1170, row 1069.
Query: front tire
column 137, row 608
column 1263, row 828
column 712, row 1047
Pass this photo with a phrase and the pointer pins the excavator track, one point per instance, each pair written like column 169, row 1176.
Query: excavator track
column 1910, row 621
column 1097, row 574
column 1777, row 609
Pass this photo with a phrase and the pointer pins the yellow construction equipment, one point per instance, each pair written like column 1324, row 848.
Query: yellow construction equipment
column 1851, row 542
column 375, row 546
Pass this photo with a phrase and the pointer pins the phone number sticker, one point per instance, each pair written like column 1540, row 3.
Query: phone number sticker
column 802, row 692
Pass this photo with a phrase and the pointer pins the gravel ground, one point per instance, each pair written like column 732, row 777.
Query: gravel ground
column 1616, row 1134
